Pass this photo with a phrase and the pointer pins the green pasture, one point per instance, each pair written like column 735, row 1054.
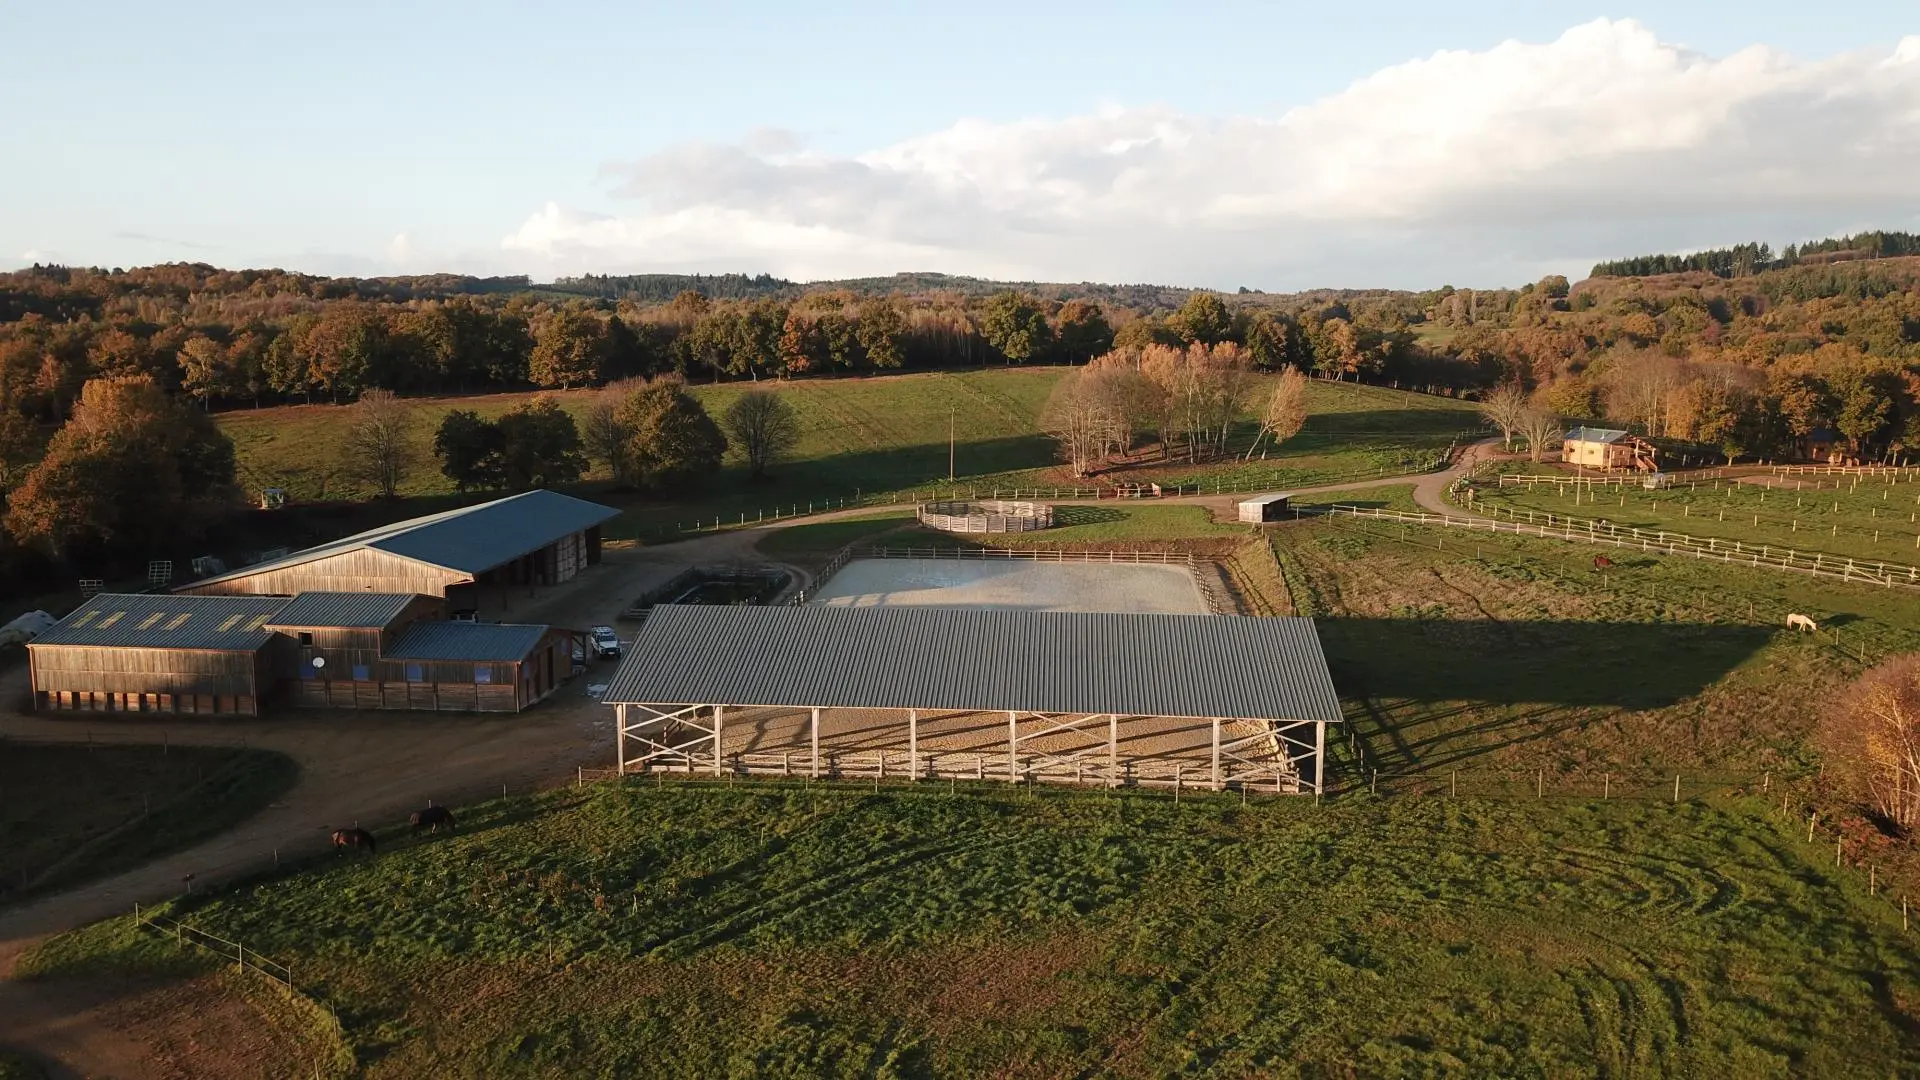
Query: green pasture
column 71, row 813
column 770, row 930
column 860, row 436
column 1873, row 519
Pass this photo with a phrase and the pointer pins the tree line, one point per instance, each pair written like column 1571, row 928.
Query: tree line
column 1745, row 260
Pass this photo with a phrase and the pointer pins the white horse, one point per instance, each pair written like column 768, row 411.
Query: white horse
column 1797, row 621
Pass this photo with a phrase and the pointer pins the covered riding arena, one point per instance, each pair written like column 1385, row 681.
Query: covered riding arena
column 915, row 693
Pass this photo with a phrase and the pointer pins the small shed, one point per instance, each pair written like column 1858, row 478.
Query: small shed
column 479, row 667
column 1269, row 507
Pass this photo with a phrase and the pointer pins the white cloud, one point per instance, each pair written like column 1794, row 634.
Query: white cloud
column 1464, row 166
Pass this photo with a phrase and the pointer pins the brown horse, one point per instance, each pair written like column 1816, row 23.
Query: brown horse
column 432, row 818
column 1601, row 562
column 353, row 838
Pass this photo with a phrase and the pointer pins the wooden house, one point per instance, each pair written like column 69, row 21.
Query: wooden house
column 1608, row 448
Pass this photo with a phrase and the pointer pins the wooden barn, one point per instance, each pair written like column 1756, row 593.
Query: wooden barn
column 397, row 651
column 157, row 654
column 536, row 538
column 1608, row 448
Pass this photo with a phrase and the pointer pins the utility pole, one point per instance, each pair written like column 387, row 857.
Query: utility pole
column 950, row 409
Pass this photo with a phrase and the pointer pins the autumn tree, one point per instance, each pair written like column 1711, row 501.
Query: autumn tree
column 763, row 426
column 601, row 435
column 1504, row 408
column 671, row 441
column 1541, row 426
column 1014, row 324
column 1204, row 318
column 379, row 443
column 1871, row 737
column 469, row 450
column 879, row 329
column 133, row 470
column 1087, row 415
column 1285, row 412
column 1081, row 331
column 569, row 350
column 539, row 445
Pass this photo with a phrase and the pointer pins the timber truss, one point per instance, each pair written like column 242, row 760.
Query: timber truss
column 1277, row 756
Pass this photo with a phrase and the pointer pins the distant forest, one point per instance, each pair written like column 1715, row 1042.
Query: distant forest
column 1745, row 260
column 1736, row 350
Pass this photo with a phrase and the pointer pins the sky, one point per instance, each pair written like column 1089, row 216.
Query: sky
column 1276, row 146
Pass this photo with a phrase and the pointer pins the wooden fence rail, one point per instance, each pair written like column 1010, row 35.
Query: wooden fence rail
column 1556, row 527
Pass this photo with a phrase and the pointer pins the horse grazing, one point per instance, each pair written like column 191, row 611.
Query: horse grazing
column 1601, row 562
column 1797, row 621
column 432, row 818
column 353, row 838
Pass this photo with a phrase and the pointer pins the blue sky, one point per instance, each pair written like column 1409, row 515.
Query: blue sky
column 1097, row 141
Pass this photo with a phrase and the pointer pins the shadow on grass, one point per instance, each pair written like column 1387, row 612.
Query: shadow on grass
column 1626, row 665
column 1085, row 515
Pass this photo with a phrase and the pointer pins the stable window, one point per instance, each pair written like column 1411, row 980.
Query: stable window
column 306, row 637
column 416, row 673
column 482, row 673
column 308, row 671
column 361, row 673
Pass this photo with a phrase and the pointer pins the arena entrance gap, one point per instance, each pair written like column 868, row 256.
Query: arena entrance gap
column 1066, row 697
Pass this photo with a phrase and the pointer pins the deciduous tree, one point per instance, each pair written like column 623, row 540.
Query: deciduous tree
column 1286, row 410
column 671, row 441
column 763, row 426
column 379, row 444
column 469, row 449
column 539, row 445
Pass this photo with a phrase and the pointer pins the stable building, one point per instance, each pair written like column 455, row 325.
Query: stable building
column 157, row 653
column 532, row 539
column 351, row 650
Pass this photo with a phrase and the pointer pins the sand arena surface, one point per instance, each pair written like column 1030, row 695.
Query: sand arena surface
column 1014, row 584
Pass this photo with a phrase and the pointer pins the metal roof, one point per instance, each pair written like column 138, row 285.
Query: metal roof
column 160, row 621
column 438, row 640
column 1269, row 497
column 471, row 540
column 1593, row 434
column 343, row 609
column 995, row 659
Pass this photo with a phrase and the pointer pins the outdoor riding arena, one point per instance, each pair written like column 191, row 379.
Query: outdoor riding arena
column 897, row 731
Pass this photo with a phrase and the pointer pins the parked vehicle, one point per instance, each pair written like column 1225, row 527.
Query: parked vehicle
column 606, row 644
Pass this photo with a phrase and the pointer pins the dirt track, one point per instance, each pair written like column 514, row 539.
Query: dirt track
column 369, row 768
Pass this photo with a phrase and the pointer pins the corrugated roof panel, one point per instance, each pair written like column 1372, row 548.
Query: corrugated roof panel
column 471, row 539
column 164, row 622
column 1039, row 661
column 438, row 640
column 350, row 610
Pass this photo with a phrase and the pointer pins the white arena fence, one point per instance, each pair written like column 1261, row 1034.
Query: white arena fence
column 985, row 516
column 1585, row 530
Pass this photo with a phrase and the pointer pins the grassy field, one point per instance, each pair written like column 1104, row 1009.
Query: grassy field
column 827, row 537
column 1873, row 519
column 1511, row 655
column 74, row 813
column 860, row 436
column 764, row 930
column 15, row 1067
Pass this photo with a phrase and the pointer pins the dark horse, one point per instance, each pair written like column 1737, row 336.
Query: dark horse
column 352, row 838
column 1601, row 562
column 432, row 818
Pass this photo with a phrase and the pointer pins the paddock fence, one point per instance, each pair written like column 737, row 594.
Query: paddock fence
column 1583, row 530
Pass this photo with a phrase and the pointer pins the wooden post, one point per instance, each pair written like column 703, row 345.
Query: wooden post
column 719, row 726
column 1215, row 769
column 1113, row 749
column 1810, row 824
column 1013, row 748
column 1676, row 789
column 1319, row 757
column 619, row 741
column 913, row 743
column 814, row 733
